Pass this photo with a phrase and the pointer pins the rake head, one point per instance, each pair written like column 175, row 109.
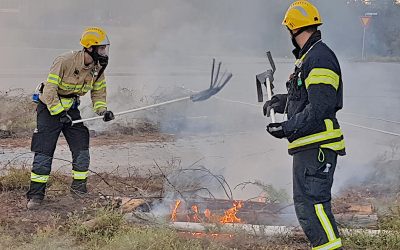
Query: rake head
column 216, row 84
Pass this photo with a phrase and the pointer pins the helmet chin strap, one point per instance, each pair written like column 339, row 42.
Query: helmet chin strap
column 294, row 35
column 93, row 54
column 97, row 58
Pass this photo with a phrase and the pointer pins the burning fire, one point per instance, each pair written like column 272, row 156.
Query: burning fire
column 194, row 215
column 230, row 214
column 207, row 214
column 174, row 211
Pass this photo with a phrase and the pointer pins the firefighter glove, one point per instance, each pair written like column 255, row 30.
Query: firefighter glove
column 277, row 102
column 108, row 116
column 65, row 119
column 276, row 130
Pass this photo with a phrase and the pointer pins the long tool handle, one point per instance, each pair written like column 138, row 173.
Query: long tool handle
column 134, row 110
column 269, row 96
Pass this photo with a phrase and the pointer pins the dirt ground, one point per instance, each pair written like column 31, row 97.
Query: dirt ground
column 98, row 140
column 61, row 208
column 59, row 202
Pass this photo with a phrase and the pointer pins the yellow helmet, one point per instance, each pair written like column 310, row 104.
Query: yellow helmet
column 93, row 36
column 301, row 14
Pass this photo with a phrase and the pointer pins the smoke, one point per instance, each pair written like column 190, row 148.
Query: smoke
column 160, row 46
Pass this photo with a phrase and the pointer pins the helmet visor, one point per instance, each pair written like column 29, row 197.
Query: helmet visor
column 105, row 41
column 103, row 50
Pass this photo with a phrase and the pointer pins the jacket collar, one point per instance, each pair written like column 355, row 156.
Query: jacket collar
column 315, row 37
column 81, row 59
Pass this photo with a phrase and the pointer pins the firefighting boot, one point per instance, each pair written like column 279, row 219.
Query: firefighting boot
column 78, row 188
column 34, row 204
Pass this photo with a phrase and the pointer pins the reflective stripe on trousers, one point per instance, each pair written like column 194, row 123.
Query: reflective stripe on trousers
column 313, row 171
column 44, row 142
column 77, row 175
column 333, row 242
column 39, row 178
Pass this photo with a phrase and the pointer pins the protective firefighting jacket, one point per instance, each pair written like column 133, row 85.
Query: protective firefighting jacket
column 315, row 94
column 70, row 78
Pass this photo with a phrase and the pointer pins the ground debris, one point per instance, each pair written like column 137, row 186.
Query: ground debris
column 5, row 134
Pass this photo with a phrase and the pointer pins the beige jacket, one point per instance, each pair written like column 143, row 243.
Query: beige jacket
column 69, row 76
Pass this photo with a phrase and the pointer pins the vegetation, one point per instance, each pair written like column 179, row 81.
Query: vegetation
column 102, row 226
column 17, row 114
column 384, row 28
column 15, row 179
column 387, row 238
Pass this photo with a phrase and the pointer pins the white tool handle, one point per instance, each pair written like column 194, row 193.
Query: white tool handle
column 269, row 97
column 134, row 110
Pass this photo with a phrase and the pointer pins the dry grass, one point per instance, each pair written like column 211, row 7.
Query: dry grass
column 388, row 238
column 17, row 114
column 18, row 178
column 15, row 179
column 103, row 227
column 363, row 240
column 391, row 220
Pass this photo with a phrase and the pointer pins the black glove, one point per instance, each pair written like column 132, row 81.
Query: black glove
column 108, row 116
column 65, row 118
column 277, row 102
column 276, row 130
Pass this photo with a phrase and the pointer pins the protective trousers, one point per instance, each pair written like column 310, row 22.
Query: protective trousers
column 44, row 141
column 313, row 172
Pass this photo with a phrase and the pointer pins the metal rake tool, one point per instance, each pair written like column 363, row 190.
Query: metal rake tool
column 215, row 86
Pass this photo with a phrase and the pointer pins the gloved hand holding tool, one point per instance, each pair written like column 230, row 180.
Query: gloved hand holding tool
column 276, row 103
column 65, row 118
column 108, row 116
column 215, row 86
column 276, row 130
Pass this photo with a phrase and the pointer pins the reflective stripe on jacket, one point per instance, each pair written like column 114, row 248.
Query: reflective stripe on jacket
column 315, row 94
column 70, row 76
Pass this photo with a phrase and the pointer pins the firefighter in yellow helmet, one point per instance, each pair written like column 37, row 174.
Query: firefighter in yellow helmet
column 73, row 74
column 315, row 94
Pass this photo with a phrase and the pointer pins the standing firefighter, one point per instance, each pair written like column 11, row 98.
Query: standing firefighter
column 315, row 94
column 72, row 75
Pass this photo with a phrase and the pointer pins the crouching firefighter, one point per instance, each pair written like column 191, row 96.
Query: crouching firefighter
column 315, row 94
column 72, row 75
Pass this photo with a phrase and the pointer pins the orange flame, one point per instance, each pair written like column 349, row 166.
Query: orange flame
column 230, row 214
column 196, row 213
column 194, row 216
column 174, row 211
column 207, row 214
